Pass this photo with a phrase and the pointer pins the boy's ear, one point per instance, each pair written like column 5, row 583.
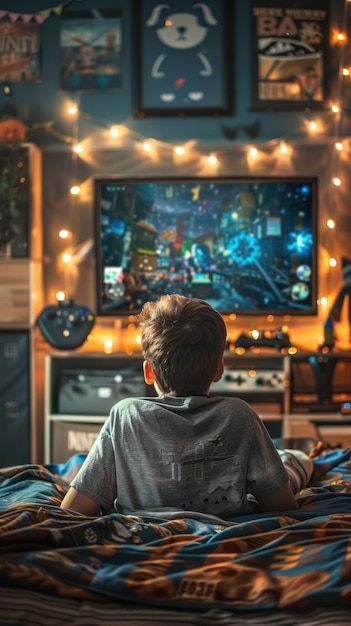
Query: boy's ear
column 219, row 372
column 148, row 373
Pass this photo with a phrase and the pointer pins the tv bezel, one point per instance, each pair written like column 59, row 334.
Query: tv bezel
column 225, row 179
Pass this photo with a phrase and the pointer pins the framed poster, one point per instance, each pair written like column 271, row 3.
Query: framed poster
column 19, row 51
column 290, row 54
column 91, row 51
column 183, row 58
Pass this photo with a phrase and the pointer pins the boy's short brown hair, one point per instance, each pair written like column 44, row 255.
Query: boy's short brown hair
column 183, row 340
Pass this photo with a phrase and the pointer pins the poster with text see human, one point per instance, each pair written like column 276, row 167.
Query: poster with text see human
column 291, row 54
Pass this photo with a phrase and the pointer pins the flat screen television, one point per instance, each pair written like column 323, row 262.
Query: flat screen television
column 246, row 245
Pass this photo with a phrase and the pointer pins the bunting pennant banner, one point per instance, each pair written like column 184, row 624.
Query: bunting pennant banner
column 38, row 17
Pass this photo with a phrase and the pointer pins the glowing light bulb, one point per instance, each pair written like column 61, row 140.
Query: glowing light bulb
column 253, row 152
column 60, row 296
column 114, row 131
column 179, row 150
column 313, row 126
column 64, row 233
column 345, row 71
column 339, row 146
column 212, row 159
column 66, row 258
column 335, row 108
column 78, row 148
column 147, row 146
column 108, row 346
column 341, row 37
column 330, row 223
column 336, row 181
column 332, row 262
column 75, row 190
column 72, row 109
column 323, row 301
column 284, row 148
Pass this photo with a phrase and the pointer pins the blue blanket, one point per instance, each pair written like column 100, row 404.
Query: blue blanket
column 300, row 560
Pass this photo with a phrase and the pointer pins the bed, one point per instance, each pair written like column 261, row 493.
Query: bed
column 59, row 567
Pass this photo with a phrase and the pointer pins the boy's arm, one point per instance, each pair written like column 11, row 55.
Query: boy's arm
column 281, row 500
column 76, row 501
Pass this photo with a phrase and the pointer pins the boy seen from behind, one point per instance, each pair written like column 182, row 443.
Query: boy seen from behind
column 182, row 451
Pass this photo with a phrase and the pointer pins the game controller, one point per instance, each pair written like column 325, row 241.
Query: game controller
column 66, row 325
column 264, row 339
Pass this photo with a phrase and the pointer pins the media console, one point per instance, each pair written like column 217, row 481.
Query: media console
column 301, row 395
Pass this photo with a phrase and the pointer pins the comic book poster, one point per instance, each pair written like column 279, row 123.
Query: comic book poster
column 91, row 51
column 19, row 51
column 290, row 48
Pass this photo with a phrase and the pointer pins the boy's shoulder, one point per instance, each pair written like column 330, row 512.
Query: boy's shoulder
column 185, row 402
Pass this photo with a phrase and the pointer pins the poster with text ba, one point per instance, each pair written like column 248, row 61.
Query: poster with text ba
column 290, row 48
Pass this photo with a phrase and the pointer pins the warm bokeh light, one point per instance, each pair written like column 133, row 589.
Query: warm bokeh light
column 66, row 257
column 212, row 159
column 108, row 345
column 313, row 126
column 72, row 109
column 336, row 181
column 330, row 223
column 64, row 233
column 75, row 190
column 179, row 150
column 147, row 146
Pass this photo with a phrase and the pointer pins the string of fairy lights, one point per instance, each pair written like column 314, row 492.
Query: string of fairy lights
column 314, row 128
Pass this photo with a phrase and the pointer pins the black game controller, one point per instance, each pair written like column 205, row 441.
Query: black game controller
column 66, row 325
column 265, row 339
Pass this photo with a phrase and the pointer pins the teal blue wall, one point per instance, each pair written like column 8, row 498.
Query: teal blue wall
column 312, row 155
column 45, row 102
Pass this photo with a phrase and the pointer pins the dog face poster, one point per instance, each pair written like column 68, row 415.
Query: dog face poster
column 183, row 57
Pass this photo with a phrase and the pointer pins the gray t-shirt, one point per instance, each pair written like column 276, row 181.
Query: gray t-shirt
column 181, row 454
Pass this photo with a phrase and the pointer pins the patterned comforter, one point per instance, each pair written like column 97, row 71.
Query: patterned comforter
column 300, row 561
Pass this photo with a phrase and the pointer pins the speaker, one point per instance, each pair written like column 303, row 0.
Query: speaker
column 320, row 383
column 14, row 398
